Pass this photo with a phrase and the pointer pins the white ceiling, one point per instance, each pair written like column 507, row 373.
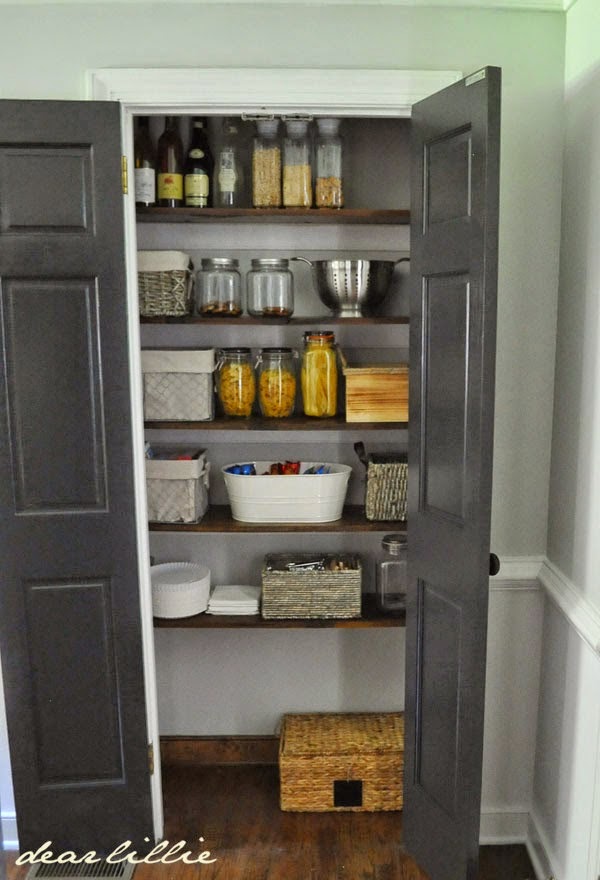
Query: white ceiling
column 539, row 5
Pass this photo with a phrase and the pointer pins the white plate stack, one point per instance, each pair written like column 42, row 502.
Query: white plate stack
column 234, row 599
column 179, row 589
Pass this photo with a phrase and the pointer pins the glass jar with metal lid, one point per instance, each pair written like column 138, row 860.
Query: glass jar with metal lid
column 219, row 288
column 391, row 575
column 236, row 382
column 270, row 288
column 276, row 368
column 319, row 374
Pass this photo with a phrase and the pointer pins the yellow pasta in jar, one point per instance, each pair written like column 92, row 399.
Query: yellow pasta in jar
column 276, row 393
column 237, row 389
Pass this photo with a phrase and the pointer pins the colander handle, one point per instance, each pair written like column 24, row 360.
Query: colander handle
column 302, row 260
column 402, row 260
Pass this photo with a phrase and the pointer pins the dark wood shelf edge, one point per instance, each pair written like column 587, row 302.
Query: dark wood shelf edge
column 369, row 216
column 218, row 519
column 247, row 320
column 370, row 619
column 298, row 423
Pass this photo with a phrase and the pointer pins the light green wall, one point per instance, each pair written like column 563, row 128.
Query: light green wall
column 574, row 511
column 51, row 47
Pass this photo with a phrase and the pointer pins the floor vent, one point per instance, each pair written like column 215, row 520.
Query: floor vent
column 100, row 871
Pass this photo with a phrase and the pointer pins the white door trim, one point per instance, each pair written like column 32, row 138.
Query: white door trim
column 231, row 91
column 224, row 91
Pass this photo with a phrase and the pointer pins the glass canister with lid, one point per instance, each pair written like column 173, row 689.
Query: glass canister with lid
column 391, row 574
column 276, row 368
column 219, row 288
column 329, row 191
column 319, row 374
column 270, row 288
column 236, row 382
column 297, row 173
column 266, row 165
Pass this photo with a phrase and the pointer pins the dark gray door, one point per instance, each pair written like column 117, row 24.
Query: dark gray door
column 70, row 634
column 454, row 228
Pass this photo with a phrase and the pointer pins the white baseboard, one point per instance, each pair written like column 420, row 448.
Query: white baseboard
column 503, row 826
column 539, row 850
column 9, row 832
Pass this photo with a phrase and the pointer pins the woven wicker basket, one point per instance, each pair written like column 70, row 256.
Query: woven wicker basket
column 165, row 282
column 310, row 594
column 387, row 484
column 341, row 762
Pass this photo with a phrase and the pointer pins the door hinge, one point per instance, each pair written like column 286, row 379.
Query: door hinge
column 151, row 758
column 124, row 177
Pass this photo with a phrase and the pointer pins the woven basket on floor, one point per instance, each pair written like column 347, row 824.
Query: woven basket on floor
column 341, row 762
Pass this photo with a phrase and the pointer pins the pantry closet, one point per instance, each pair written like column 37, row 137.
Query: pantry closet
column 79, row 585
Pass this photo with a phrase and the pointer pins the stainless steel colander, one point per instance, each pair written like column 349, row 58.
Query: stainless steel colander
column 351, row 288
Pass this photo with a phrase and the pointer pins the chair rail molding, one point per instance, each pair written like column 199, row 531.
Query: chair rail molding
column 579, row 611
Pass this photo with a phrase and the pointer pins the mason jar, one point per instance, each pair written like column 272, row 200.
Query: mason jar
column 270, row 289
column 236, row 382
column 391, row 575
column 319, row 374
column 219, row 287
column 276, row 369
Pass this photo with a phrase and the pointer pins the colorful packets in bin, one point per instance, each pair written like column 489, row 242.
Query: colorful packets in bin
column 278, row 468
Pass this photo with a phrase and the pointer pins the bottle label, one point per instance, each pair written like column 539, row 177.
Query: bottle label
column 170, row 186
column 196, row 153
column 145, row 186
column 196, row 190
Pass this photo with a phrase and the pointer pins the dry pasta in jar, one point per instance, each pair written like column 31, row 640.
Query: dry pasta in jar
column 236, row 382
column 319, row 375
column 276, row 382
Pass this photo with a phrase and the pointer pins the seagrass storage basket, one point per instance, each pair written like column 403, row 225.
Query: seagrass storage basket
column 165, row 282
column 290, row 591
column 385, row 494
column 341, row 762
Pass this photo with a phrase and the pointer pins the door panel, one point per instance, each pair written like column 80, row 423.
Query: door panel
column 454, row 185
column 70, row 629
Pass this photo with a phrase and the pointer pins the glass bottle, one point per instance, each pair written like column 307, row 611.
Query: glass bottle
column 270, row 289
column 391, row 575
column 169, row 164
column 198, row 170
column 266, row 165
column 229, row 174
column 319, row 374
column 200, row 139
column 329, row 192
column 219, row 288
column 236, row 383
column 145, row 164
column 276, row 382
column 297, row 176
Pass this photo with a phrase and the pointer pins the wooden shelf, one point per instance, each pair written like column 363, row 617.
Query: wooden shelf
column 246, row 320
column 371, row 617
column 294, row 423
column 376, row 216
column 218, row 519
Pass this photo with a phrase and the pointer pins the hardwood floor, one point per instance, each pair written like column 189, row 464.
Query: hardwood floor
column 235, row 809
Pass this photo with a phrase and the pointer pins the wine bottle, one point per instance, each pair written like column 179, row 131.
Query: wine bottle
column 170, row 166
column 197, row 169
column 145, row 164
